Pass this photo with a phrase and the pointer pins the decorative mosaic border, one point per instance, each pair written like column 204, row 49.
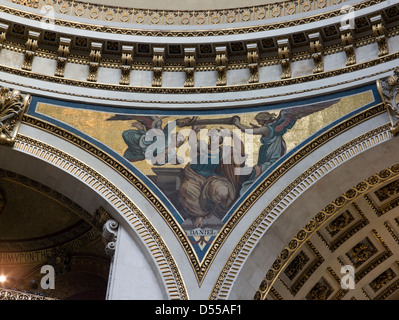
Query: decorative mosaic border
column 199, row 90
column 201, row 269
column 169, row 271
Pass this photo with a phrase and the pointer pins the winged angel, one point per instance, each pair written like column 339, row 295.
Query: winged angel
column 271, row 128
column 138, row 140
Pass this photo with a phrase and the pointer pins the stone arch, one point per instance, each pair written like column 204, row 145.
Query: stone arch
column 276, row 218
column 76, row 174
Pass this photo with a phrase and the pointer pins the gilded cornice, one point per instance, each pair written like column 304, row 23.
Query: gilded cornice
column 198, row 90
column 128, row 15
column 202, row 66
column 187, row 33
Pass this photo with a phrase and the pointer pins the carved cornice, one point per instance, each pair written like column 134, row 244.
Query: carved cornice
column 188, row 32
column 216, row 89
column 153, row 17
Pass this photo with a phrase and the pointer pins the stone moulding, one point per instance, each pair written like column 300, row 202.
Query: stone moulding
column 168, row 269
column 156, row 32
column 174, row 18
column 204, row 90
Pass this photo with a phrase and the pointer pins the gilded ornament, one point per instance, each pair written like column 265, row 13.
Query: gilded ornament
column 389, row 92
column 12, row 108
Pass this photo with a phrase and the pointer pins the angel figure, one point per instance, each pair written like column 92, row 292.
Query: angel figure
column 147, row 129
column 271, row 128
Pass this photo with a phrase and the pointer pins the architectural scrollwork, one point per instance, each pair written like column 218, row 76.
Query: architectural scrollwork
column 253, row 62
column 189, row 63
column 12, row 107
column 62, row 56
column 380, row 33
column 284, row 53
column 316, row 48
column 158, row 62
column 126, row 64
column 95, row 57
column 110, row 232
column 389, row 91
column 221, row 65
column 31, row 46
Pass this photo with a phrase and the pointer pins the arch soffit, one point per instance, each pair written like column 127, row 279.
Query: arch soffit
column 317, row 204
column 89, row 188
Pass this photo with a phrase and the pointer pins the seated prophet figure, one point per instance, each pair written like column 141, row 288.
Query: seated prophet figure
column 144, row 135
column 210, row 185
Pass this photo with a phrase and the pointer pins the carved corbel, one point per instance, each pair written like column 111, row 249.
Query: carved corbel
column 221, row 65
column 94, row 58
column 12, row 108
column 126, row 65
column 63, row 54
column 389, row 92
column 189, row 66
column 30, row 50
column 158, row 61
column 316, row 49
column 380, row 34
column 253, row 62
column 348, row 42
column 284, row 53
column 3, row 33
column 110, row 233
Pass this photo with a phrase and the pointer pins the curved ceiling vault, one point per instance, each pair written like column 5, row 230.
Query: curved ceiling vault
column 39, row 226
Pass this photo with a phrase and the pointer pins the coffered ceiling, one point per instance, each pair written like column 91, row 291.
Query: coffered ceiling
column 363, row 235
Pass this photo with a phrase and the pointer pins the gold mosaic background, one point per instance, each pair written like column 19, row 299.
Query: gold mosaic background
column 94, row 124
